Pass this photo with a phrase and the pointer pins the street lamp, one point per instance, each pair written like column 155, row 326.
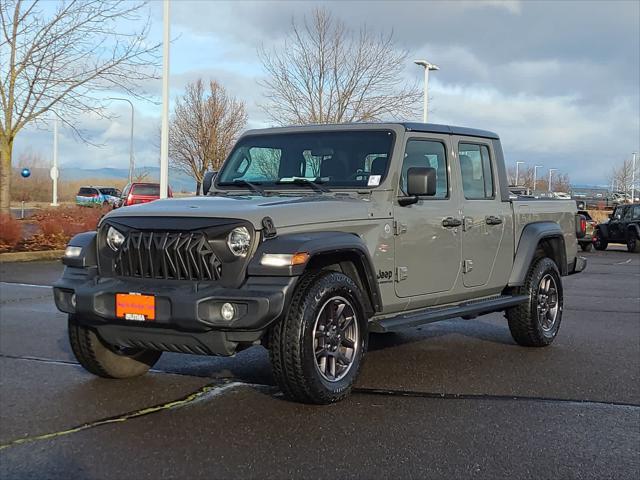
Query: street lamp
column 164, row 137
column 551, row 170
column 427, row 67
column 518, row 172
column 55, row 173
column 535, row 175
column 131, row 137
column 633, row 178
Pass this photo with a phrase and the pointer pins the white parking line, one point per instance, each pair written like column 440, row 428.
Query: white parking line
column 623, row 263
column 26, row 285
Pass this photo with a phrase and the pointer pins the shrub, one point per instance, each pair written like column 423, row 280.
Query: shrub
column 10, row 231
column 57, row 226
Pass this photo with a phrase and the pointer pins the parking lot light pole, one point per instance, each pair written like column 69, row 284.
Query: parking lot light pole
column 54, row 168
column 131, row 166
column 535, row 175
column 164, row 140
column 427, row 67
column 551, row 170
column 518, row 172
column 633, row 178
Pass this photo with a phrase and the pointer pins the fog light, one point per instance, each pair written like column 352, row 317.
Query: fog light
column 227, row 311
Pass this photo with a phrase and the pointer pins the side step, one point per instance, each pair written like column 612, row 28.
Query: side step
column 436, row 314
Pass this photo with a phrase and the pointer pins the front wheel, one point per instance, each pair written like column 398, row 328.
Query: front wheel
column 586, row 247
column 599, row 243
column 536, row 322
column 633, row 243
column 317, row 349
column 106, row 360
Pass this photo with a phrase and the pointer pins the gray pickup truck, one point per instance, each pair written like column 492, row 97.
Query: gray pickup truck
column 310, row 238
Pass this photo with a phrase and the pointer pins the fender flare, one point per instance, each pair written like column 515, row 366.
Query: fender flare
column 88, row 256
column 341, row 245
column 531, row 237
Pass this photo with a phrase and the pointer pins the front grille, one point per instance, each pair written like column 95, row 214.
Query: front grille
column 168, row 256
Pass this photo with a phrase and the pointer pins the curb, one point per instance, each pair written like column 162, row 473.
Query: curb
column 31, row 256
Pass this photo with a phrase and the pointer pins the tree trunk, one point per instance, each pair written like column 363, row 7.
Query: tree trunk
column 6, row 147
column 198, row 186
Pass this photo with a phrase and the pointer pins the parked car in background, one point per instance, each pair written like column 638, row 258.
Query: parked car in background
column 136, row 193
column 97, row 196
column 586, row 242
column 623, row 227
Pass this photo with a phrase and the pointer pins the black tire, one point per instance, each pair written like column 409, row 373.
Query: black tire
column 525, row 323
column 599, row 243
column 294, row 344
column 586, row 247
column 102, row 359
column 633, row 243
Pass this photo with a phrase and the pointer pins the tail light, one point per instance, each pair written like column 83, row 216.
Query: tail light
column 129, row 199
column 581, row 226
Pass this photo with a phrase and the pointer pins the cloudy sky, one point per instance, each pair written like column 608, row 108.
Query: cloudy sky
column 559, row 81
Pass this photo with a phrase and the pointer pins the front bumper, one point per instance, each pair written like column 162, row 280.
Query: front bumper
column 187, row 313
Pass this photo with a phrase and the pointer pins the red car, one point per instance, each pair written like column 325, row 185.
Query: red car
column 136, row 193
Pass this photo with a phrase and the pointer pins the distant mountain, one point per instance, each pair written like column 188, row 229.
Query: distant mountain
column 179, row 181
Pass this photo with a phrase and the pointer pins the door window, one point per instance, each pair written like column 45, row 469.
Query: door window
column 617, row 215
column 426, row 153
column 475, row 167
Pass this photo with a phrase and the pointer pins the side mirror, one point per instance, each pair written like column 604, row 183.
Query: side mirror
column 611, row 216
column 421, row 182
column 207, row 181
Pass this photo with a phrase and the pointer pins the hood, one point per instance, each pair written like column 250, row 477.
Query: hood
column 284, row 211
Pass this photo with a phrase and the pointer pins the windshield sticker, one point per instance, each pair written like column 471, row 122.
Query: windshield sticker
column 374, row 180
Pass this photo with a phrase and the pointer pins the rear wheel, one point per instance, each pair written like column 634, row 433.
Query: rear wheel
column 599, row 243
column 586, row 247
column 106, row 360
column 317, row 349
column 536, row 322
column 633, row 243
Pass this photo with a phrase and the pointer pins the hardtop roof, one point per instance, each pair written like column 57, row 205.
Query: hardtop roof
column 407, row 126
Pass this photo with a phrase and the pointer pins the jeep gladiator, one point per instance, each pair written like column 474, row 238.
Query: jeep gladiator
column 310, row 238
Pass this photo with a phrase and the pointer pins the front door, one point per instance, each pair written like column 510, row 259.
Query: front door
column 427, row 252
column 484, row 213
column 616, row 231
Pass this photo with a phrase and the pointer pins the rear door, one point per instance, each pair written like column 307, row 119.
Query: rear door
column 427, row 252
column 484, row 214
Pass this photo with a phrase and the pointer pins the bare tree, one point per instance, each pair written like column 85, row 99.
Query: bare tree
column 54, row 64
column 206, row 123
column 327, row 73
column 621, row 176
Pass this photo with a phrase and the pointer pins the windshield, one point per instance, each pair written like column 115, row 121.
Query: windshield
column 332, row 159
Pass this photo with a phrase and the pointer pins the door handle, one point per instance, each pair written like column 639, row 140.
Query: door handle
column 493, row 220
column 451, row 222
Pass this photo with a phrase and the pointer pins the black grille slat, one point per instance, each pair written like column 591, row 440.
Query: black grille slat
column 168, row 256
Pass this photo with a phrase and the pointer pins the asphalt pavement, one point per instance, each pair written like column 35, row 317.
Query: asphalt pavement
column 456, row 399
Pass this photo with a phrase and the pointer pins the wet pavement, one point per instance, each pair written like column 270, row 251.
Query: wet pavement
column 456, row 399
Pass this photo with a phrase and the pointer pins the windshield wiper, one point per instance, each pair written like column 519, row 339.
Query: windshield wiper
column 314, row 184
column 254, row 187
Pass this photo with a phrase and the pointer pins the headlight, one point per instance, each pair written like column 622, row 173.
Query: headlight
column 114, row 239
column 238, row 241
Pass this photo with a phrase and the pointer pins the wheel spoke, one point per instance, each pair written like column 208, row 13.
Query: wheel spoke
column 347, row 342
column 322, row 353
column 347, row 323
column 342, row 358
column 339, row 311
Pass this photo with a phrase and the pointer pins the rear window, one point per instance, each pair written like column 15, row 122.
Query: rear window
column 109, row 191
column 86, row 192
column 151, row 190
